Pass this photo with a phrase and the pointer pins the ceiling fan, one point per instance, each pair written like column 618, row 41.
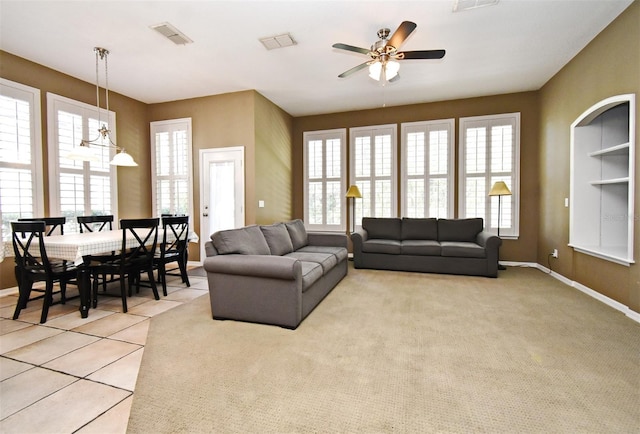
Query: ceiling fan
column 384, row 53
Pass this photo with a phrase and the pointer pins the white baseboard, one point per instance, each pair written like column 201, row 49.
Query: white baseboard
column 628, row 312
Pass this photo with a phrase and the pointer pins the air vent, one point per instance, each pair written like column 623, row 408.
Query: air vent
column 171, row 33
column 465, row 5
column 279, row 41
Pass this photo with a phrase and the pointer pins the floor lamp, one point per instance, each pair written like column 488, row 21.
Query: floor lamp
column 353, row 193
column 500, row 189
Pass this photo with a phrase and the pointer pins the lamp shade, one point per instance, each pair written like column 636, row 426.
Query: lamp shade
column 500, row 189
column 123, row 159
column 354, row 191
column 375, row 70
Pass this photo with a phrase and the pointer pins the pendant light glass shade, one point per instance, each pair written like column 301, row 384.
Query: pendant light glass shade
column 123, row 159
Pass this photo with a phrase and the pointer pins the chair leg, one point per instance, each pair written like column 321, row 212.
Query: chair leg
column 183, row 272
column 24, row 292
column 123, row 293
column 63, row 291
column 153, row 283
column 47, row 301
column 162, row 277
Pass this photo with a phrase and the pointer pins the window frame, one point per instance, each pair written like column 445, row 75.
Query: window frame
column 450, row 176
column 169, row 126
column 489, row 121
column 56, row 103
column 354, row 134
column 31, row 95
column 307, row 136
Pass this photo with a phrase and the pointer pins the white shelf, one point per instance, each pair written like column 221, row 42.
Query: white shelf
column 610, row 181
column 603, row 156
column 622, row 149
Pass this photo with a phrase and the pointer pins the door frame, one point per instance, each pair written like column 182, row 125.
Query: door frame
column 203, row 153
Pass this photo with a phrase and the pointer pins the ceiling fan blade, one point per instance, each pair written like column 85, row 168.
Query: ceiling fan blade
column 422, row 54
column 403, row 31
column 354, row 69
column 351, row 48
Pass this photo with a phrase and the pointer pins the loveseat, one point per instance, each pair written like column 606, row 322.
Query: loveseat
column 449, row 246
column 273, row 274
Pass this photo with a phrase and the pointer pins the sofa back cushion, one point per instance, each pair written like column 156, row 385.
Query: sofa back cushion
column 459, row 229
column 382, row 228
column 277, row 238
column 419, row 229
column 297, row 233
column 245, row 241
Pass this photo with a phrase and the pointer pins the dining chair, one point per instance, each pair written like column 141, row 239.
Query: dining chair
column 93, row 223
column 52, row 223
column 173, row 248
column 132, row 260
column 97, row 223
column 31, row 268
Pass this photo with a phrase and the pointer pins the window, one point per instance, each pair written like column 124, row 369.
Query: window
column 490, row 152
column 21, row 187
column 171, row 179
column 325, row 179
column 79, row 187
column 373, row 170
column 427, row 169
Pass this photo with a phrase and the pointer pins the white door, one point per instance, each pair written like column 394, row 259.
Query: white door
column 221, row 191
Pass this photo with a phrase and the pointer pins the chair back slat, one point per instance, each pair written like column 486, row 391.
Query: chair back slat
column 52, row 223
column 23, row 235
column 145, row 231
column 175, row 234
column 95, row 223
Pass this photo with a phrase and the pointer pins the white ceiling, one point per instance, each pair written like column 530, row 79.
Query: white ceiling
column 517, row 45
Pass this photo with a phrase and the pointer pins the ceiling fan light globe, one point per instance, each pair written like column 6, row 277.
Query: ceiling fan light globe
column 375, row 71
column 391, row 69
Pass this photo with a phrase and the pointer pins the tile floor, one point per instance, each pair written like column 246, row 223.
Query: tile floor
column 74, row 375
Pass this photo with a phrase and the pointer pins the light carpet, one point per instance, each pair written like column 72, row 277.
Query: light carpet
column 399, row 352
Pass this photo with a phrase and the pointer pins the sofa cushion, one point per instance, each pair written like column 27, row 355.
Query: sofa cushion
column 420, row 247
column 339, row 252
column 462, row 249
column 381, row 246
column 245, row 241
column 419, row 229
column 459, row 229
column 311, row 273
column 297, row 233
column 326, row 260
column 382, row 228
column 278, row 239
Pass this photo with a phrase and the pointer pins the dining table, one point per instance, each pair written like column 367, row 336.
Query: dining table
column 79, row 247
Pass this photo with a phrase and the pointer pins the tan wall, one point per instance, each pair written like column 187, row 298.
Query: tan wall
column 134, row 199
column 523, row 249
column 274, row 162
column 608, row 66
column 218, row 121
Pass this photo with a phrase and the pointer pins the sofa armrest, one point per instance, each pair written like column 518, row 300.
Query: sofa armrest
column 209, row 249
column 332, row 239
column 275, row 267
column 488, row 240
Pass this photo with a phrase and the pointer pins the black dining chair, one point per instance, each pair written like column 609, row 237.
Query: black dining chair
column 34, row 267
column 52, row 224
column 97, row 223
column 173, row 248
column 131, row 260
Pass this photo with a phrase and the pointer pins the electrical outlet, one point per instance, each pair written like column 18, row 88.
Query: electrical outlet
column 555, row 253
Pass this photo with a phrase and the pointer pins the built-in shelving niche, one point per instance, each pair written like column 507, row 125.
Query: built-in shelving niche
column 602, row 180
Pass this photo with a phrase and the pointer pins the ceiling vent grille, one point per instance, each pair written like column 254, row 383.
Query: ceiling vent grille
column 465, row 5
column 171, row 33
column 279, row 41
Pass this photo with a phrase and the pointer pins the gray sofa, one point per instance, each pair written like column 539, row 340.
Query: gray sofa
column 275, row 274
column 450, row 246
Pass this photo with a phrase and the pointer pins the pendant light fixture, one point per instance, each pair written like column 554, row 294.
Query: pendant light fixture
column 83, row 152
